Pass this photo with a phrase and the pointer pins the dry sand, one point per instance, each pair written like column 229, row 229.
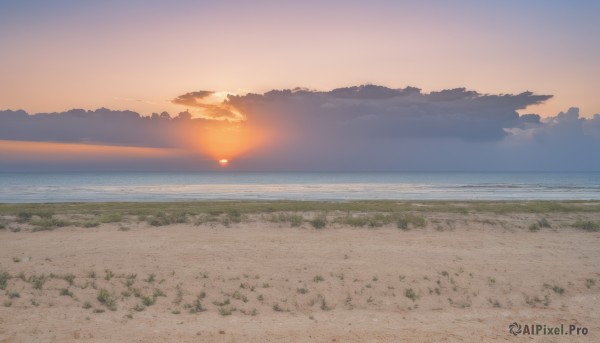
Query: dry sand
column 471, row 276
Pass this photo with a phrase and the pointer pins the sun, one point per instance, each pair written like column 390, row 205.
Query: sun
column 223, row 162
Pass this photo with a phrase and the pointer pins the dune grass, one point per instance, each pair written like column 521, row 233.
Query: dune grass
column 177, row 210
column 404, row 215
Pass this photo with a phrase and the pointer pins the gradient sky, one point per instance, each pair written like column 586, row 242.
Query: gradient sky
column 500, row 85
column 138, row 55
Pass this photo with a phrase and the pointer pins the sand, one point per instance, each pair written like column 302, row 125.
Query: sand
column 462, row 278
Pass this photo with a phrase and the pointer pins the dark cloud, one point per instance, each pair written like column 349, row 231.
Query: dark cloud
column 192, row 99
column 101, row 126
column 354, row 128
column 376, row 111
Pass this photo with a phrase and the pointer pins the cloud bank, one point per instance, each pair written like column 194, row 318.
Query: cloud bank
column 358, row 128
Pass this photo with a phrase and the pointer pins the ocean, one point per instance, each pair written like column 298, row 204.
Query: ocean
column 72, row 187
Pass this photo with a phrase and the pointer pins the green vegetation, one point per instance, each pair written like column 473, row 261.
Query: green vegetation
column 318, row 278
column 324, row 305
column 4, row 277
column 225, row 311
column 278, row 308
column 410, row 294
column 106, row 299
column 364, row 213
column 49, row 224
column 294, row 220
column 319, row 222
column 37, row 281
column 197, row 307
column 589, row 283
column 148, row 301
column 544, row 223
column 166, row 218
column 176, row 211
column 70, row 278
column 587, row 225
column 302, row 290
column 534, row 227
column 66, row 292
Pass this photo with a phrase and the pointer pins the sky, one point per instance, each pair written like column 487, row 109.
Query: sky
column 311, row 85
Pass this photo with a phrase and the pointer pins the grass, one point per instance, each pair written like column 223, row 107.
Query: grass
column 148, row 301
column 373, row 213
column 66, row 292
column 373, row 220
column 319, row 222
column 318, row 278
column 544, row 223
column 70, row 278
column 167, row 218
column 324, row 306
column 278, row 308
column 225, row 311
column 589, row 283
column 44, row 224
column 106, row 299
column 221, row 303
column 410, row 294
column 24, row 217
column 151, row 278
column 37, row 281
column 197, row 307
column 294, row 220
column 4, row 277
column 533, row 227
column 302, row 290
column 175, row 210
column 587, row 225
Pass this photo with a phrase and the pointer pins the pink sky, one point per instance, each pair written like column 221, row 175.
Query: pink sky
column 140, row 55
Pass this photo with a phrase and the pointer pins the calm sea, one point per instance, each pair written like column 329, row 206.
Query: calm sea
column 67, row 187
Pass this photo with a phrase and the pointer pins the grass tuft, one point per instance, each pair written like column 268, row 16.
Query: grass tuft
column 587, row 225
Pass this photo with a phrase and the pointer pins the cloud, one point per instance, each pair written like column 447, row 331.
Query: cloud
column 365, row 127
column 192, row 99
column 101, row 126
column 374, row 111
column 209, row 110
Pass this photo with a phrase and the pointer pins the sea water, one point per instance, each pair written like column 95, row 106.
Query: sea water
column 71, row 187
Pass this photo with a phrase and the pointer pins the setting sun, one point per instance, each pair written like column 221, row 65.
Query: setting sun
column 223, row 162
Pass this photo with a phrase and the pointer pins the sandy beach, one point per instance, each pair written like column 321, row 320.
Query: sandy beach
column 267, row 277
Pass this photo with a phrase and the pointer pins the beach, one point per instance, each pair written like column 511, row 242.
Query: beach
column 281, row 271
